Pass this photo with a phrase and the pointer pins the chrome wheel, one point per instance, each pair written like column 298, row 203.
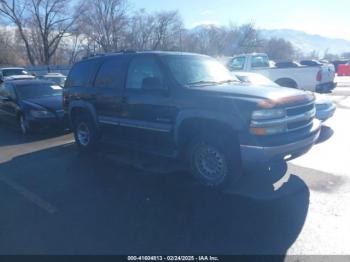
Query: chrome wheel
column 210, row 163
column 83, row 134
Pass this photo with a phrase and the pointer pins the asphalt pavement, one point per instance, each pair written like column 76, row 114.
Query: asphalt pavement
column 55, row 200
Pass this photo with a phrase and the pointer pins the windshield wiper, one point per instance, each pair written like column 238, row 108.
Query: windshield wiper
column 203, row 83
column 229, row 81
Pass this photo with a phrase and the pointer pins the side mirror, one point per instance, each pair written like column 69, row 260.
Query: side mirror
column 152, row 83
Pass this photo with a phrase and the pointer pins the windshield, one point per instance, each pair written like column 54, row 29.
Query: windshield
column 191, row 70
column 31, row 91
column 256, row 79
column 15, row 71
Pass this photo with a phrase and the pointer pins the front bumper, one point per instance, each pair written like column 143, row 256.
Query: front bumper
column 255, row 155
column 324, row 114
column 325, row 87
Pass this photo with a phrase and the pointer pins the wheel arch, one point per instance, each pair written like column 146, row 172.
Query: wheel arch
column 287, row 82
column 80, row 107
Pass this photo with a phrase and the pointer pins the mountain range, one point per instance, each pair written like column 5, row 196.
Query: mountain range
column 308, row 43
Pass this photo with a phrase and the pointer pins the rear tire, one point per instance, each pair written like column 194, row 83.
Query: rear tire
column 85, row 133
column 214, row 161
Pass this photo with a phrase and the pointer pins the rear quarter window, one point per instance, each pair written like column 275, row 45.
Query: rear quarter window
column 83, row 73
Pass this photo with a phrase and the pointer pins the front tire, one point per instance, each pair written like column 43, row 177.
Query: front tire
column 214, row 161
column 85, row 133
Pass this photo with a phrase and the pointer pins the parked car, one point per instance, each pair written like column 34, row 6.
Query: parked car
column 287, row 64
column 319, row 79
column 325, row 108
column 57, row 78
column 189, row 107
column 31, row 104
column 344, row 69
column 14, row 73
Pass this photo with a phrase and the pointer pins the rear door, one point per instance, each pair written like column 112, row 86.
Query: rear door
column 109, row 83
column 148, row 111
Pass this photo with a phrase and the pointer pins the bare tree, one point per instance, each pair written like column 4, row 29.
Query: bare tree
column 141, row 28
column 104, row 22
column 41, row 25
column 167, row 29
column 10, row 53
column 279, row 49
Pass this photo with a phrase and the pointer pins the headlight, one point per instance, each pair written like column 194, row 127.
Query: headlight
column 41, row 114
column 268, row 114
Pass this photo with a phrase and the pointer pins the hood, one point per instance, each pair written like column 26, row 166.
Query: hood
column 52, row 103
column 280, row 95
column 19, row 77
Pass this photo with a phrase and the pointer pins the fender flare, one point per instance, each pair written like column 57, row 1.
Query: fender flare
column 85, row 106
column 236, row 123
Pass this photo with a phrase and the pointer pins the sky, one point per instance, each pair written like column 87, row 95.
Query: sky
column 323, row 17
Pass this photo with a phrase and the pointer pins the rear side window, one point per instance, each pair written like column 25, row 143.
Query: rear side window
column 260, row 61
column 111, row 74
column 82, row 73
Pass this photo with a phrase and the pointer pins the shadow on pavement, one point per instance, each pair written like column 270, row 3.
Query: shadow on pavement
column 12, row 136
column 326, row 133
column 108, row 208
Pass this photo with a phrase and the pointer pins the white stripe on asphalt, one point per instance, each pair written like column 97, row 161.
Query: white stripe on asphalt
column 29, row 195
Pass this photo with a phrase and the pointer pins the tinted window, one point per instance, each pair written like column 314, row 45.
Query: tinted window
column 142, row 67
column 237, row 63
column 111, row 74
column 31, row 91
column 82, row 73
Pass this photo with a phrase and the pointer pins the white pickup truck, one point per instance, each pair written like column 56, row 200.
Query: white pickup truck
column 317, row 79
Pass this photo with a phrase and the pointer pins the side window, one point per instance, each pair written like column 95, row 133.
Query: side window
column 111, row 74
column 144, row 70
column 237, row 63
column 82, row 73
column 260, row 61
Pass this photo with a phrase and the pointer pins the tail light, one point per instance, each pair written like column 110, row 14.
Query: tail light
column 319, row 76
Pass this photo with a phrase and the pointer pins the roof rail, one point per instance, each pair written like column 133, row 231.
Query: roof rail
column 93, row 55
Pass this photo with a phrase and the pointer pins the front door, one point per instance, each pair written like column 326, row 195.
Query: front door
column 148, row 112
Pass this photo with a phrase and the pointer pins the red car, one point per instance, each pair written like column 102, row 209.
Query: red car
column 344, row 70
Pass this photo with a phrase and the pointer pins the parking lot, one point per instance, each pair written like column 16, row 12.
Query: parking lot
column 55, row 200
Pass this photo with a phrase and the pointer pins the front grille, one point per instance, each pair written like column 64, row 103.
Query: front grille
column 300, row 116
column 296, row 110
column 299, row 124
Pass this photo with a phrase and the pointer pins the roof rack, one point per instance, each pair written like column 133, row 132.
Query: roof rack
column 93, row 55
